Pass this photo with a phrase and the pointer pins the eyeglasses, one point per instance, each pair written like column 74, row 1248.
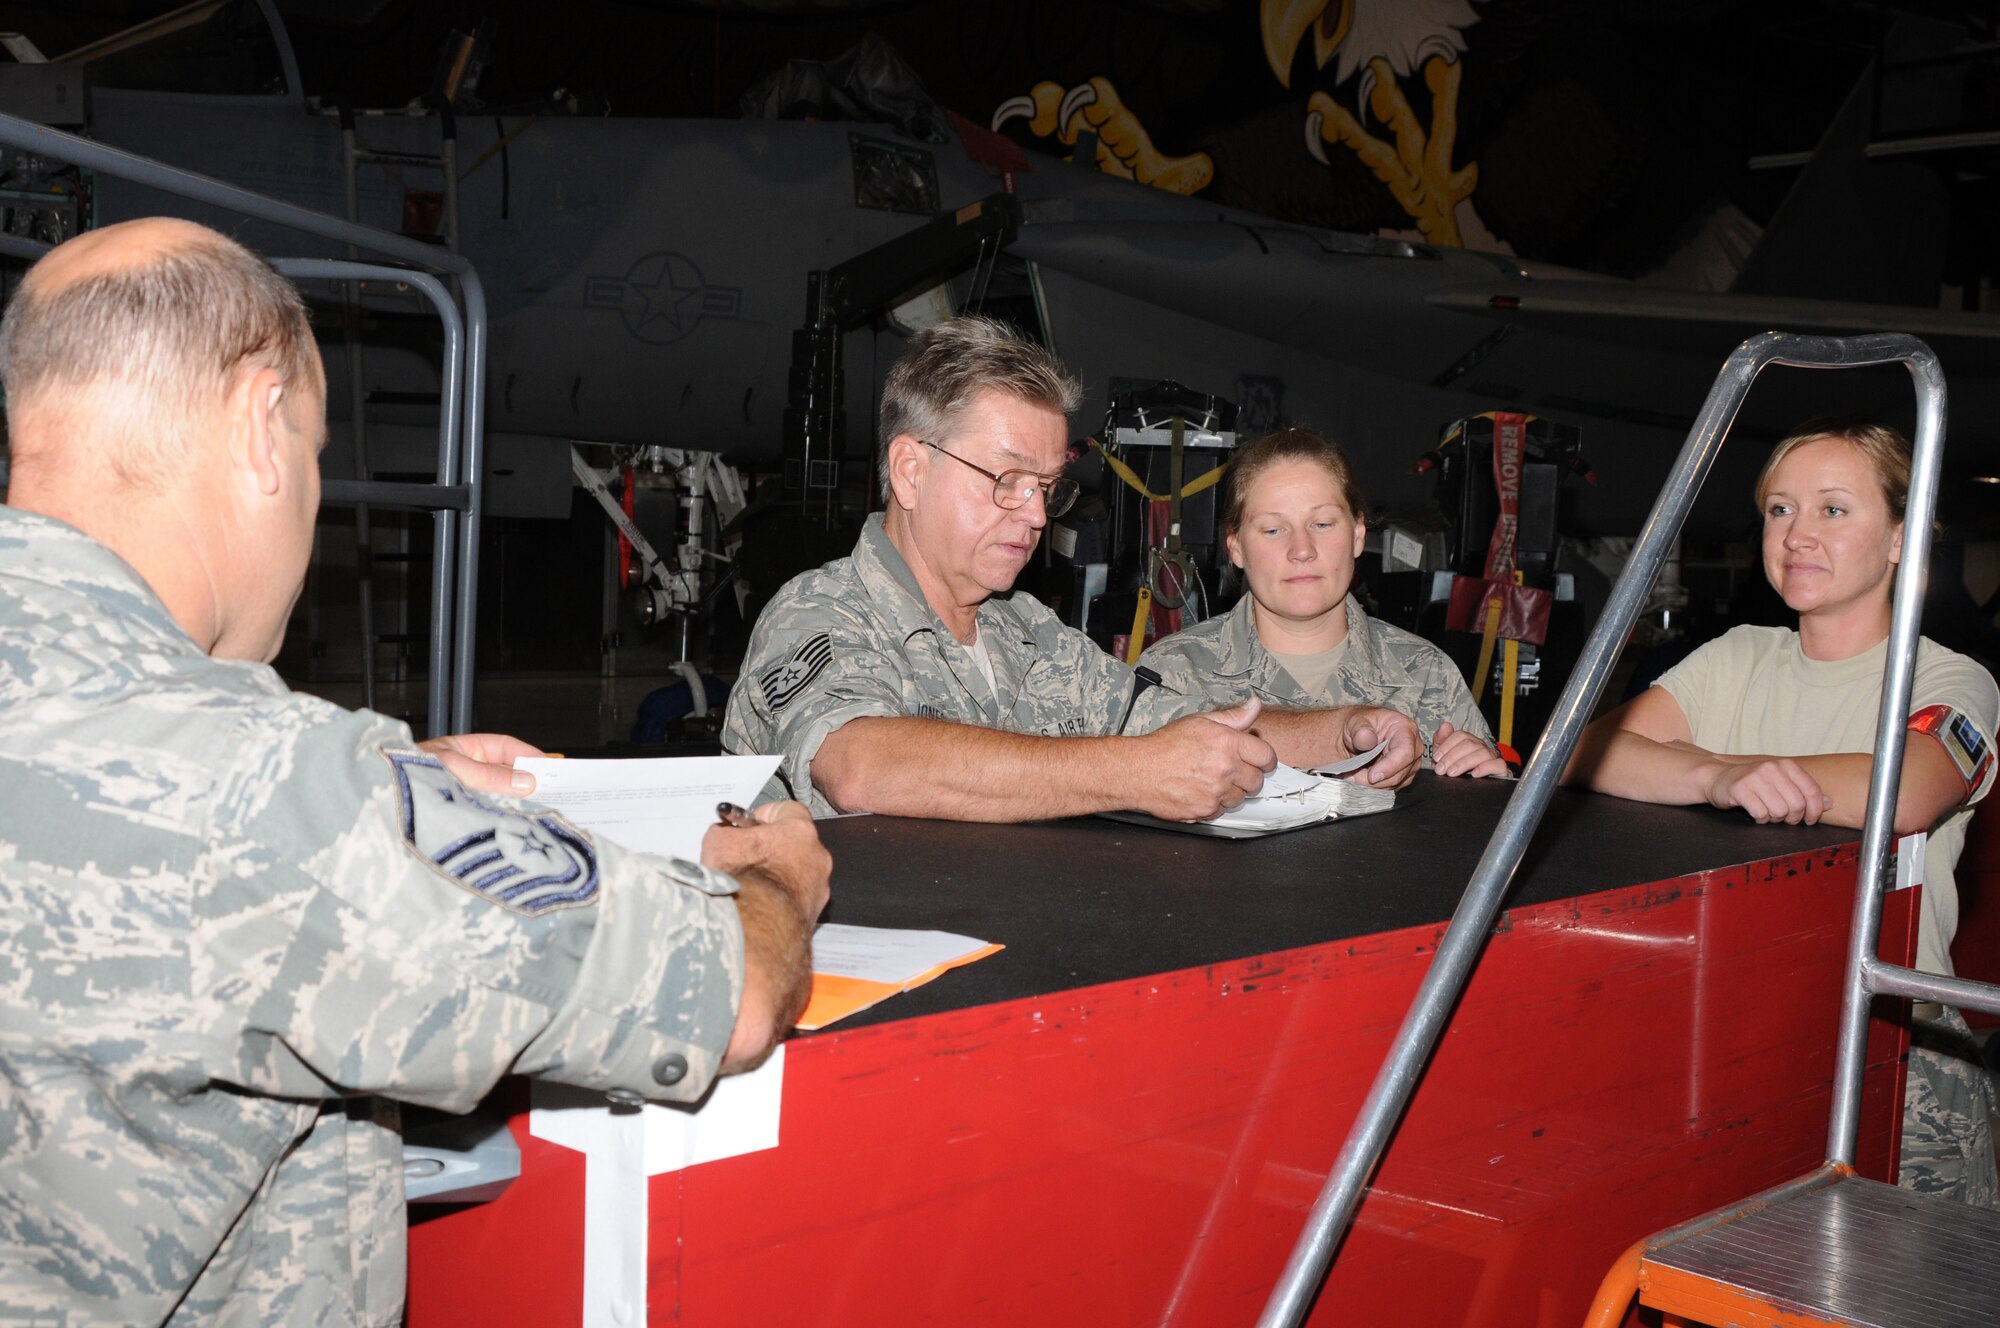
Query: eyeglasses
column 1013, row 488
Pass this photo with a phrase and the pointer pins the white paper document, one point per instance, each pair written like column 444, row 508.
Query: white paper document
column 878, row 954
column 1283, row 781
column 658, row 805
column 1350, row 765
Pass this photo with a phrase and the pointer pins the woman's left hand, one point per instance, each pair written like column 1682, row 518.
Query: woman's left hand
column 1456, row 752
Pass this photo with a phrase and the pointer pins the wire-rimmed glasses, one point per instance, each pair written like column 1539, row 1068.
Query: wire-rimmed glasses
column 1013, row 488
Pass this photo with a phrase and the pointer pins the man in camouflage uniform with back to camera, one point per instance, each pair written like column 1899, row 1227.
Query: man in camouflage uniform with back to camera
column 235, row 921
column 909, row 679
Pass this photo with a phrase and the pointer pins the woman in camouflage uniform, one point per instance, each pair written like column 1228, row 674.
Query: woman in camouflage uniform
column 1294, row 521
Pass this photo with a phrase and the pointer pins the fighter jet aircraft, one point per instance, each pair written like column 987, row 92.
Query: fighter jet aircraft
column 647, row 278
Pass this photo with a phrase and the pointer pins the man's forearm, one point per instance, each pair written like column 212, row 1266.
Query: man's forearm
column 777, row 970
column 933, row 768
column 1305, row 738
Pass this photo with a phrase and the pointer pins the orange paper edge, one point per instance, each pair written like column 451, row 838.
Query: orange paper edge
column 835, row 997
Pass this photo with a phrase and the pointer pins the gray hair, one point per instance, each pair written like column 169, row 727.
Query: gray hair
column 946, row 366
column 172, row 330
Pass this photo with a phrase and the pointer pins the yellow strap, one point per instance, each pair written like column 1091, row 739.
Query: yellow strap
column 1131, row 477
column 1510, row 672
column 1486, row 639
column 1203, row 481
column 1136, row 644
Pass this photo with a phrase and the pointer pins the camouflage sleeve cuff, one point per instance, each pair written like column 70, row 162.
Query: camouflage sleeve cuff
column 806, row 733
column 657, row 992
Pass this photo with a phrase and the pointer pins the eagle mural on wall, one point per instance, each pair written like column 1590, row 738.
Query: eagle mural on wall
column 1383, row 53
column 1124, row 148
column 1386, row 42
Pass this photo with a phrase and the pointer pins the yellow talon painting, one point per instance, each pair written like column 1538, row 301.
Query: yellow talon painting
column 1386, row 42
column 1124, row 148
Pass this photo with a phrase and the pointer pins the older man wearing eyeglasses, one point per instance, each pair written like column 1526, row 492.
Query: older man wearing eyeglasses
column 910, row 679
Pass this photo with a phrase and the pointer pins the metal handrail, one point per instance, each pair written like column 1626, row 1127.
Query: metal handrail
column 1472, row 923
column 444, row 500
column 1867, row 975
column 40, row 139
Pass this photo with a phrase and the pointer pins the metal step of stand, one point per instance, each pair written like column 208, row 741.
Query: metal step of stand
column 1832, row 1248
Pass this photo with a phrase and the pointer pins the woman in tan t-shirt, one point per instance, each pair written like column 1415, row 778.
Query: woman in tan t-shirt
column 1832, row 498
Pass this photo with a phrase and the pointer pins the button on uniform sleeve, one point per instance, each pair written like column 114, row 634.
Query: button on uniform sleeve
column 377, row 928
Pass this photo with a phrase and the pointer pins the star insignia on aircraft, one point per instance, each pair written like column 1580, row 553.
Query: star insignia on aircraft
column 662, row 297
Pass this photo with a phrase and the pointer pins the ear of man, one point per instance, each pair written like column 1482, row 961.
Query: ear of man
column 908, row 465
column 259, row 433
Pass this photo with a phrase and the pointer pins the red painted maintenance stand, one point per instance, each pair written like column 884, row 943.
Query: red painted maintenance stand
column 1633, row 1049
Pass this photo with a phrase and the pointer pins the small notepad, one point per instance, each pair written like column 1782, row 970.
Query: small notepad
column 1290, row 799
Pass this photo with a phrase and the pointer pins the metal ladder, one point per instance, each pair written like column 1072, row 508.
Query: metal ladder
column 1458, row 952
column 454, row 500
column 355, row 154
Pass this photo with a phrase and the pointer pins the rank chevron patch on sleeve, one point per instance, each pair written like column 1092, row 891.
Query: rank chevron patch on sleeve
column 520, row 860
column 796, row 674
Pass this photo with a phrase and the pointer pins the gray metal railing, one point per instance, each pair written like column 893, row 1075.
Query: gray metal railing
column 1868, row 975
column 1472, row 923
column 445, row 499
column 460, row 507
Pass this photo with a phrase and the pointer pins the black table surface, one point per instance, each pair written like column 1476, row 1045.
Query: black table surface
column 1087, row 901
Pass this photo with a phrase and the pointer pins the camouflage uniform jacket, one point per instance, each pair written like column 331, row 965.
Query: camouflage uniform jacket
column 230, row 916
column 856, row 638
column 1222, row 661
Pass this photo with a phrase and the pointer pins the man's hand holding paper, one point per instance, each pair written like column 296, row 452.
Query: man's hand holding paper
column 485, row 761
column 1389, row 741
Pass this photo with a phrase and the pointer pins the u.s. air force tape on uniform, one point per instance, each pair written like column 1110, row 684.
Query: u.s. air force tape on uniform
column 786, row 681
column 527, row 861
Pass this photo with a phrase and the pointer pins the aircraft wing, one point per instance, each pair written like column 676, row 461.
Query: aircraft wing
column 1481, row 323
